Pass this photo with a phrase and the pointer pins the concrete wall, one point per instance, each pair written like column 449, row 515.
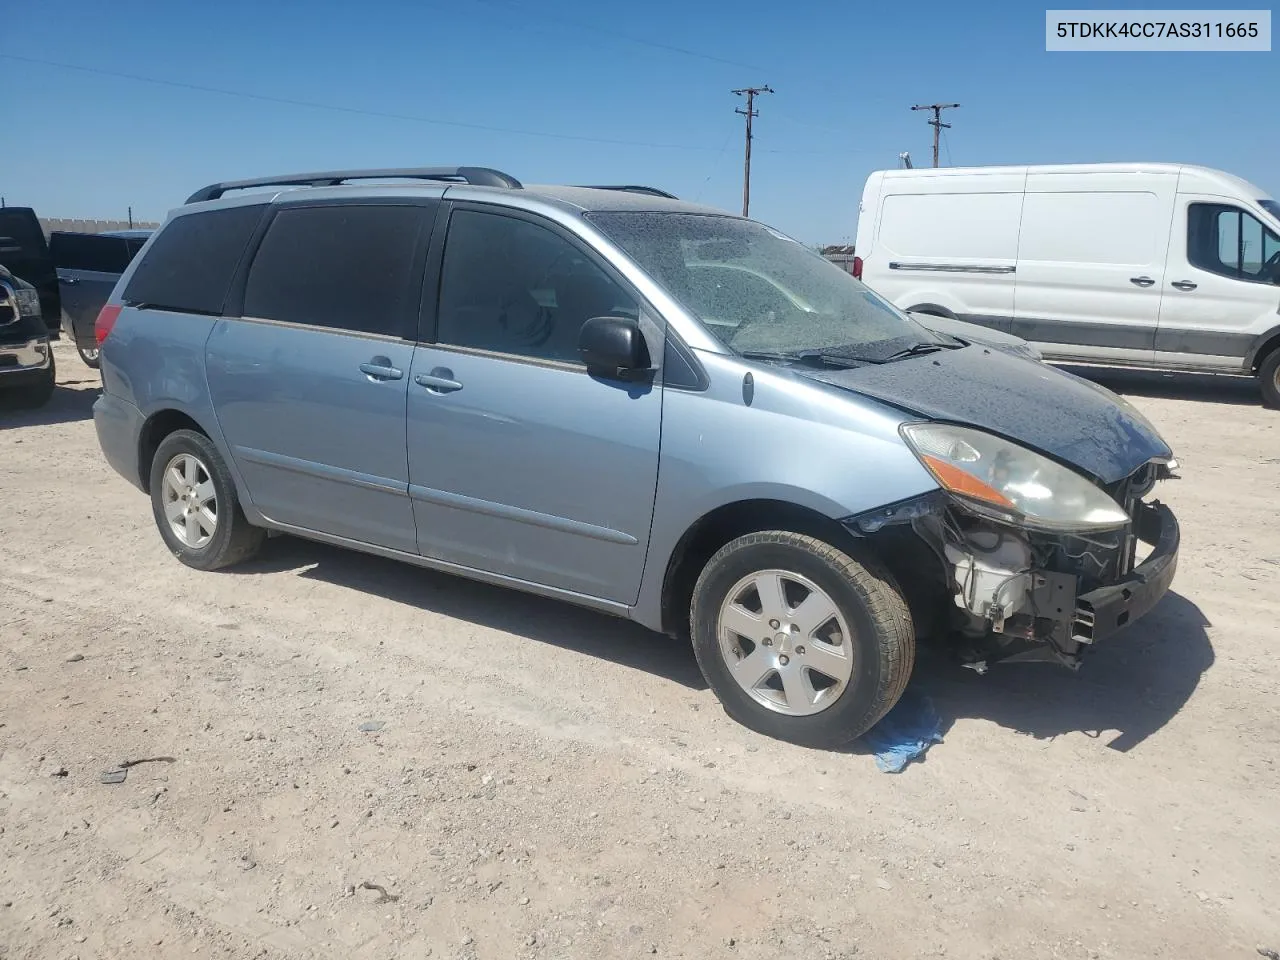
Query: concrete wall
column 92, row 226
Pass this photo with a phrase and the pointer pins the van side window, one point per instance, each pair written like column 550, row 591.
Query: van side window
column 1228, row 241
column 515, row 287
column 189, row 267
column 344, row 266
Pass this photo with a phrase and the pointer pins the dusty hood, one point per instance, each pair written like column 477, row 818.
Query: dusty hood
column 1049, row 410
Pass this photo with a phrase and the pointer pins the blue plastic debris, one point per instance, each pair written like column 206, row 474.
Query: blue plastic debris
column 905, row 732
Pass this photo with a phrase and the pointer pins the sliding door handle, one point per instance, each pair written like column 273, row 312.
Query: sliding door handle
column 1142, row 281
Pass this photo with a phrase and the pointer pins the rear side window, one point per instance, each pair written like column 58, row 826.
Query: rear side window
column 88, row 251
column 190, row 265
column 348, row 267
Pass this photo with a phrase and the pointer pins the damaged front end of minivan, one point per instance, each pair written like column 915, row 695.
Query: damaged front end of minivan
column 1017, row 556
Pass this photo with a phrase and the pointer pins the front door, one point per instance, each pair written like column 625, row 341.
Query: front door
column 1091, row 256
column 310, row 385
column 520, row 463
column 1220, row 285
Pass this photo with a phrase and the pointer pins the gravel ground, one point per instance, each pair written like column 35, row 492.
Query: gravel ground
column 545, row 782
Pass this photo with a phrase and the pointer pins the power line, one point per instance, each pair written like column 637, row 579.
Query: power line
column 936, row 122
column 750, row 113
column 316, row 105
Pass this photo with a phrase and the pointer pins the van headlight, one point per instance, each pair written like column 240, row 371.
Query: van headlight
column 1007, row 482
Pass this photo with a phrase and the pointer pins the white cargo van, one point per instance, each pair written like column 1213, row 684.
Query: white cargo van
column 1154, row 265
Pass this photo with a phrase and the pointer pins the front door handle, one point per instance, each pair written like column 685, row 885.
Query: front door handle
column 69, row 281
column 439, row 380
column 380, row 368
column 1142, row 281
column 1183, row 284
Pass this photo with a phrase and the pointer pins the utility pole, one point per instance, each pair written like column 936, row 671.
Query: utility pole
column 131, row 218
column 936, row 122
column 751, row 112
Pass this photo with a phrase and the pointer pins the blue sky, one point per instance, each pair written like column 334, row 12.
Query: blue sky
column 89, row 144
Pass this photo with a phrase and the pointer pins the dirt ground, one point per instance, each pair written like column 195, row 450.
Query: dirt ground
column 550, row 783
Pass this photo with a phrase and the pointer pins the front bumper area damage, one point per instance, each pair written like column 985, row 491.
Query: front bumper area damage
column 1002, row 592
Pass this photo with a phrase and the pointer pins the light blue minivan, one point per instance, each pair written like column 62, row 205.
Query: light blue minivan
column 650, row 408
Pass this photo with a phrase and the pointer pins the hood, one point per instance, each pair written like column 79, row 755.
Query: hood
column 1049, row 410
column 975, row 333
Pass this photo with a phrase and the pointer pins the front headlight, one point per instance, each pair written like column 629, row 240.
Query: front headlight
column 1008, row 482
column 28, row 301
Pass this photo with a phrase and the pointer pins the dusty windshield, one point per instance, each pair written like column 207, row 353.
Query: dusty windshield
column 758, row 291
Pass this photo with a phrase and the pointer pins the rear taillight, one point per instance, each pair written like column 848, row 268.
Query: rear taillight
column 106, row 320
column 857, row 268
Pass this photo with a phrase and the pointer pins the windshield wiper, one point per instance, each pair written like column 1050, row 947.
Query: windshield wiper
column 919, row 350
column 814, row 358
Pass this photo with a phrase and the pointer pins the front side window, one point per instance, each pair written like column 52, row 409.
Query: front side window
column 345, row 266
column 760, row 292
column 515, row 287
column 1228, row 241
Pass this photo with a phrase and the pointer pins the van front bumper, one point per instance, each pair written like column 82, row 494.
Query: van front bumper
column 1101, row 612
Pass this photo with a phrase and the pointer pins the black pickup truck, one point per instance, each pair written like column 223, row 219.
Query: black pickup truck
column 27, row 372
column 24, row 252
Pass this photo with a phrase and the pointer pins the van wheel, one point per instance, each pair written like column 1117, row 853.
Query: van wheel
column 193, row 499
column 800, row 641
column 1269, row 379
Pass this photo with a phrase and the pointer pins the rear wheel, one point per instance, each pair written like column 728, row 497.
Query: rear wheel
column 89, row 355
column 799, row 640
column 1269, row 379
column 193, row 499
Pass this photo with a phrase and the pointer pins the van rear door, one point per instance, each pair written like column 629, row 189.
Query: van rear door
column 1091, row 256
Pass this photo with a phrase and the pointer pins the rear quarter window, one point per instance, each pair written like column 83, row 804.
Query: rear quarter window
column 190, row 265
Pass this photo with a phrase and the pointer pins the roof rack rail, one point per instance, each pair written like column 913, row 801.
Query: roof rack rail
column 631, row 188
column 476, row 176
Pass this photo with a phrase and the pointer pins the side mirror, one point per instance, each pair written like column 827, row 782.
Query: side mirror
column 614, row 347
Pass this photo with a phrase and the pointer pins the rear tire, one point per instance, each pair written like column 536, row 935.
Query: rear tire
column 1269, row 379
column 838, row 657
column 90, row 355
column 193, row 499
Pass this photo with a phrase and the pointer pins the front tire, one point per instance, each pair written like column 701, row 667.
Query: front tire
column 193, row 499
column 800, row 641
column 1269, row 379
